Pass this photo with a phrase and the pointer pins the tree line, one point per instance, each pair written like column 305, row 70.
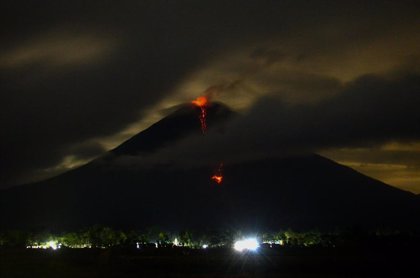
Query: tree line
column 107, row 237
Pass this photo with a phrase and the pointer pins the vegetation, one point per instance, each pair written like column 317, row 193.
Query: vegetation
column 106, row 237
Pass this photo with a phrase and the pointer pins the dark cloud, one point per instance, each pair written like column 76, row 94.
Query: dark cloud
column 368, row 112
column 73, row 73
column 267, row 56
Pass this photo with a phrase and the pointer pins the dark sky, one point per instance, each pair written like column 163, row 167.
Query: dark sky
column 79, row 77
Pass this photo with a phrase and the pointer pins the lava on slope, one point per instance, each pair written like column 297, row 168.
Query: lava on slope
column 218, row 175
column 202, row 103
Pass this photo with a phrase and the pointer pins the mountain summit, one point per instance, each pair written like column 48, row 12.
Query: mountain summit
column 174, row 127
column 280, row 192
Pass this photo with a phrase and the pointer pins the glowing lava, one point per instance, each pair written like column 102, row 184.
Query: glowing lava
column 218, row 176
column 202, row 103
column 217, row 179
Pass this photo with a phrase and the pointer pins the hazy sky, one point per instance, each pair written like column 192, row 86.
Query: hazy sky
column 79, row 77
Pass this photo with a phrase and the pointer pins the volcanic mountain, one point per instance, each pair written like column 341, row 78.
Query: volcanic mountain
column 123, row 188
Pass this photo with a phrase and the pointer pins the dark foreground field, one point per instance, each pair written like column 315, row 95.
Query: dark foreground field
column 210, row 263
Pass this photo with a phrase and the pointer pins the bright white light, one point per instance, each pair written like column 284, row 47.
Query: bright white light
column 250, row 244
column 176, row 242
column 52, row 244
column 205, row 246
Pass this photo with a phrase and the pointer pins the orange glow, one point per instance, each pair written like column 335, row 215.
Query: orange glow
column 202, row 102
column 217, row 179
column 218, row 176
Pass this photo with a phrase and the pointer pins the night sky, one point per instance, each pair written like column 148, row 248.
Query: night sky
column 78, row 78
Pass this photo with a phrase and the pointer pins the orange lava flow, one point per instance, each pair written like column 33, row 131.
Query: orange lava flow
column 202, row 103
column 218, row 176
column 218, row 179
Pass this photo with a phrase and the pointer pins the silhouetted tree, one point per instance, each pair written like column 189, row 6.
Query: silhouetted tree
column 76, row 240
column 16, row 238
column 106, row 237
column 186, row 238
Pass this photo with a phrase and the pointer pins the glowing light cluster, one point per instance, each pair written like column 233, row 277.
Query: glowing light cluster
column 247, row 244
column 54, row 245
column 272, row 243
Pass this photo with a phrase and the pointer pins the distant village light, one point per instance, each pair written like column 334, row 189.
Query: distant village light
column 52, row 244
column 176, row 242
column 247, row 244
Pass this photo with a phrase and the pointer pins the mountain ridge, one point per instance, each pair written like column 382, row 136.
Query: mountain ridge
column 303, row 191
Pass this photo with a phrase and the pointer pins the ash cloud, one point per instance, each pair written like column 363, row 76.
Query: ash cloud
column 368, row 112
column 76, row 72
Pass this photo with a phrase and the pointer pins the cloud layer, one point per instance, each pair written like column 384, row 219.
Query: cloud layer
column 78, row 78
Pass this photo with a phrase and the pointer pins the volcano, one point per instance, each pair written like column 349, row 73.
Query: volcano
column 120, row 190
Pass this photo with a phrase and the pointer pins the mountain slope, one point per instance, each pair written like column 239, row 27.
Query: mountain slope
column 174, row 127
column 299, row 191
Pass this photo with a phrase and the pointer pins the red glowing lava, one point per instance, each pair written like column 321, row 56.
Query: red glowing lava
column 202, row 103
column 218, row 176
column 217, row 179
